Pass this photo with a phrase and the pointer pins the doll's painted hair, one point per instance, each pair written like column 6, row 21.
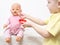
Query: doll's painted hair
column 17, row 5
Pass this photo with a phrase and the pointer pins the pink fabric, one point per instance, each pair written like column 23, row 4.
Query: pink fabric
column 7, row 34
column 14, row 25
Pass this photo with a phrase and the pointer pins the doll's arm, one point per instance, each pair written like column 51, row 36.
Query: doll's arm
column 6, row 24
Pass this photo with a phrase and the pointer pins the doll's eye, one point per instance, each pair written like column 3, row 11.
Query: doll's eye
column 17, row 9
column 48, row 2
column 12, row 9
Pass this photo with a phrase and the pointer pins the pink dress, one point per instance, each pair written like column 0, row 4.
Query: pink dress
column 14, row 27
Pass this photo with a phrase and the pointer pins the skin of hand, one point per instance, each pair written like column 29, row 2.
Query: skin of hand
column 34, row 19
column 5, row 26
column 27, row 24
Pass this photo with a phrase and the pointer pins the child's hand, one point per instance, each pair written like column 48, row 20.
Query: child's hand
column 26, row 25
column 26, row 16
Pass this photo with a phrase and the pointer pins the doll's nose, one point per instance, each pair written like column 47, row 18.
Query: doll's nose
column 14, row 11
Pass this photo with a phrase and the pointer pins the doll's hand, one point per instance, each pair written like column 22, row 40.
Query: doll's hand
column 19, row 13
column 5, row 26
column 22, row 16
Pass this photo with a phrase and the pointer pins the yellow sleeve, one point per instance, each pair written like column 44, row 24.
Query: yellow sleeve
column 46, row 21
column 55, row 29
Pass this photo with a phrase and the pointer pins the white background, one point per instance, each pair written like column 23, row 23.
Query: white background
column 36, row 8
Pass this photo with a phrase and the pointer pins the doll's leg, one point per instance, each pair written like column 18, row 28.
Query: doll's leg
column 7, row 36
column 19, row 36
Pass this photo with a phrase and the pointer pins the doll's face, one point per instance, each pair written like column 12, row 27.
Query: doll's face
column 52, row 5
column 15, row 9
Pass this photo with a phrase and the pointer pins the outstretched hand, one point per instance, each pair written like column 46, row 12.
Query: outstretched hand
column 27, row 25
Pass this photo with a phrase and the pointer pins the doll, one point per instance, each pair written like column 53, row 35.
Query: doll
column 14, row 24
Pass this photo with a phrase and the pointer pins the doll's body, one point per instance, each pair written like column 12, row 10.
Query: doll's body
column 13, row 26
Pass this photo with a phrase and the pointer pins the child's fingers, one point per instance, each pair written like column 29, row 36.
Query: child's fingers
column 26, row 25
column 25, row 15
